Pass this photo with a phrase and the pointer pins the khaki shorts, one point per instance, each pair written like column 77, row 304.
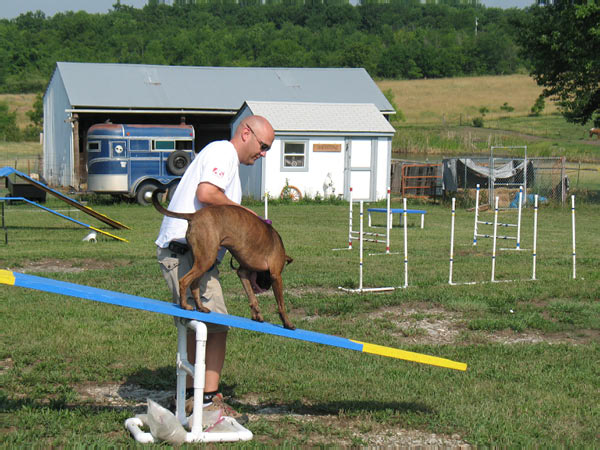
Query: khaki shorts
column 173, row 266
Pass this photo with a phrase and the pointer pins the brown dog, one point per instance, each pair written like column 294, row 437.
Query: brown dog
column 253, row 243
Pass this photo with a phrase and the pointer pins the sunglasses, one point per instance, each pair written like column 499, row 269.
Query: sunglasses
column 263, row 147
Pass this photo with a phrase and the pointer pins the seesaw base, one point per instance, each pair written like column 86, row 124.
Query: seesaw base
column 226, row 429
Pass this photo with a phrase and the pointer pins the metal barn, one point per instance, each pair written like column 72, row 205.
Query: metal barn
column 80, row 95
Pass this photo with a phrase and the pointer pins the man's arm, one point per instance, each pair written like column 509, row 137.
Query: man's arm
column 209, row 194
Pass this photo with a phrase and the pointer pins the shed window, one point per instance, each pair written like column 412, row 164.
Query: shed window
column 294, row 155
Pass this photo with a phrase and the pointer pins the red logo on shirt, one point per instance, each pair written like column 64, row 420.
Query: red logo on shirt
column 218, row 172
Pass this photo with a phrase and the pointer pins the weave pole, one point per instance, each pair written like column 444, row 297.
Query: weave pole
column 452, row 239
column 535, row 218
column 573, row 228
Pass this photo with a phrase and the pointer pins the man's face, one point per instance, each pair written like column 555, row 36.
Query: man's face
column 258, row 145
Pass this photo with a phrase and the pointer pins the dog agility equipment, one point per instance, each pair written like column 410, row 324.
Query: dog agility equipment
column 23, row 199
column 480, row 222
column 6, row 171
column 235, row 432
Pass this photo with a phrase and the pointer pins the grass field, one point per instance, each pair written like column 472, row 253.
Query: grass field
column 68, row 367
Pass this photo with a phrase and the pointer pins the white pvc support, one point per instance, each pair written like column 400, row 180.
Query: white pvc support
column 405, row 244
column 495, row 233
column 388, row 221
column 519, row 218
column 535, row 221
column 476, row 215
column 350, row 223
column 573, row 228
column 360, row 276
column 226, row 431
column 266, row 205
column 452, row 240
column 350, row 238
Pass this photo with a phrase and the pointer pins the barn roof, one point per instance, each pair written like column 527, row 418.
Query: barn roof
column 302, row 117
column 134, row 86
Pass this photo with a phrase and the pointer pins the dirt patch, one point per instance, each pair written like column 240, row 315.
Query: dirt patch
column 67, row 266
column 423, row 324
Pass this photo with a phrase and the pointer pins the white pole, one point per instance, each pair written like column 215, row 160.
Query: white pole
column 389, row 222
column 452, row 239
column 405, row 244
column 494, row 245
column 535, row 218
column 266, row 205
column 476, row 216
column 350, row 224
column 519, row 218
column 573, row 227
column 360, row 273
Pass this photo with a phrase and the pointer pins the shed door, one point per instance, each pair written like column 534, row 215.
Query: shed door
column 360, row 170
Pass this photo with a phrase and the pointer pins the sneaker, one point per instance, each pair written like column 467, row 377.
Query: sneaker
column 219, row 404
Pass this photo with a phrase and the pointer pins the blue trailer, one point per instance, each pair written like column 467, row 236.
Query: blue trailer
column 134, row 160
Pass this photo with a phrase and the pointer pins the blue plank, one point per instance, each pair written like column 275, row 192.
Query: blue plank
column 171, row 309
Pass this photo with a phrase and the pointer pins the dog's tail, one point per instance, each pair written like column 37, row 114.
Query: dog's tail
column 164, row 210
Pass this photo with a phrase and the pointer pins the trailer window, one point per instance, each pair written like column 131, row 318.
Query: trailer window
column 163, row 145
column 183, row 145
column 93, row 146
column 139, row 144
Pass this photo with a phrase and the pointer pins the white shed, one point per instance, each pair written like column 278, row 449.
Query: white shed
column 81, row 95
column 322, row 149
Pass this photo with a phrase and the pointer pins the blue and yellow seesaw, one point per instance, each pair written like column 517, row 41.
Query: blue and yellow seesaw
column 170, row 309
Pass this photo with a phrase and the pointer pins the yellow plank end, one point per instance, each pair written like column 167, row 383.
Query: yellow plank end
column 7, row 277
column 411, row 356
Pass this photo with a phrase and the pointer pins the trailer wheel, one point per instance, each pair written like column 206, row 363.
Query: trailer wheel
column 144, row 193
column 178, row 161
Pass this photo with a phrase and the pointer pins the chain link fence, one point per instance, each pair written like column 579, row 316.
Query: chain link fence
column 553, row 179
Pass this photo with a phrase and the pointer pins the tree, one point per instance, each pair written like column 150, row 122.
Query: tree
column 561, row 41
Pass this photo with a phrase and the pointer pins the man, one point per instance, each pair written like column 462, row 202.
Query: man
column 211, row 179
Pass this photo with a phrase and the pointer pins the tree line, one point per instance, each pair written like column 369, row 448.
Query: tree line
column 403, row 39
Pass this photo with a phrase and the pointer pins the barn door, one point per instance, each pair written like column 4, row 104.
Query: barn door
column 359, row 169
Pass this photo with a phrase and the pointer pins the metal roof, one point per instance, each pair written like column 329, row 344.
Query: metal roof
column 133, row 86
column 322, row 117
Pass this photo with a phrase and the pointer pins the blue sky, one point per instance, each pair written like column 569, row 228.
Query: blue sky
column 10, row 9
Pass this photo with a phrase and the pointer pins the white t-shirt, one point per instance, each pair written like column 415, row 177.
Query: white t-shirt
column 218, row 164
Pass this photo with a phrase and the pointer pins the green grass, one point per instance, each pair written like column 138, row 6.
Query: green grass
column 540, row 389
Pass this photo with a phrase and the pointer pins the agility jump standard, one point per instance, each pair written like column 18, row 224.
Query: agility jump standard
column 494, row 237
column 517, row 225
column 375, row 236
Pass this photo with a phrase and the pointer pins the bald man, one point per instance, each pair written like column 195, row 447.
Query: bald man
column 211, row 179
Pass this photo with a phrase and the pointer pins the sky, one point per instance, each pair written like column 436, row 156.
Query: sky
column 9, row 9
